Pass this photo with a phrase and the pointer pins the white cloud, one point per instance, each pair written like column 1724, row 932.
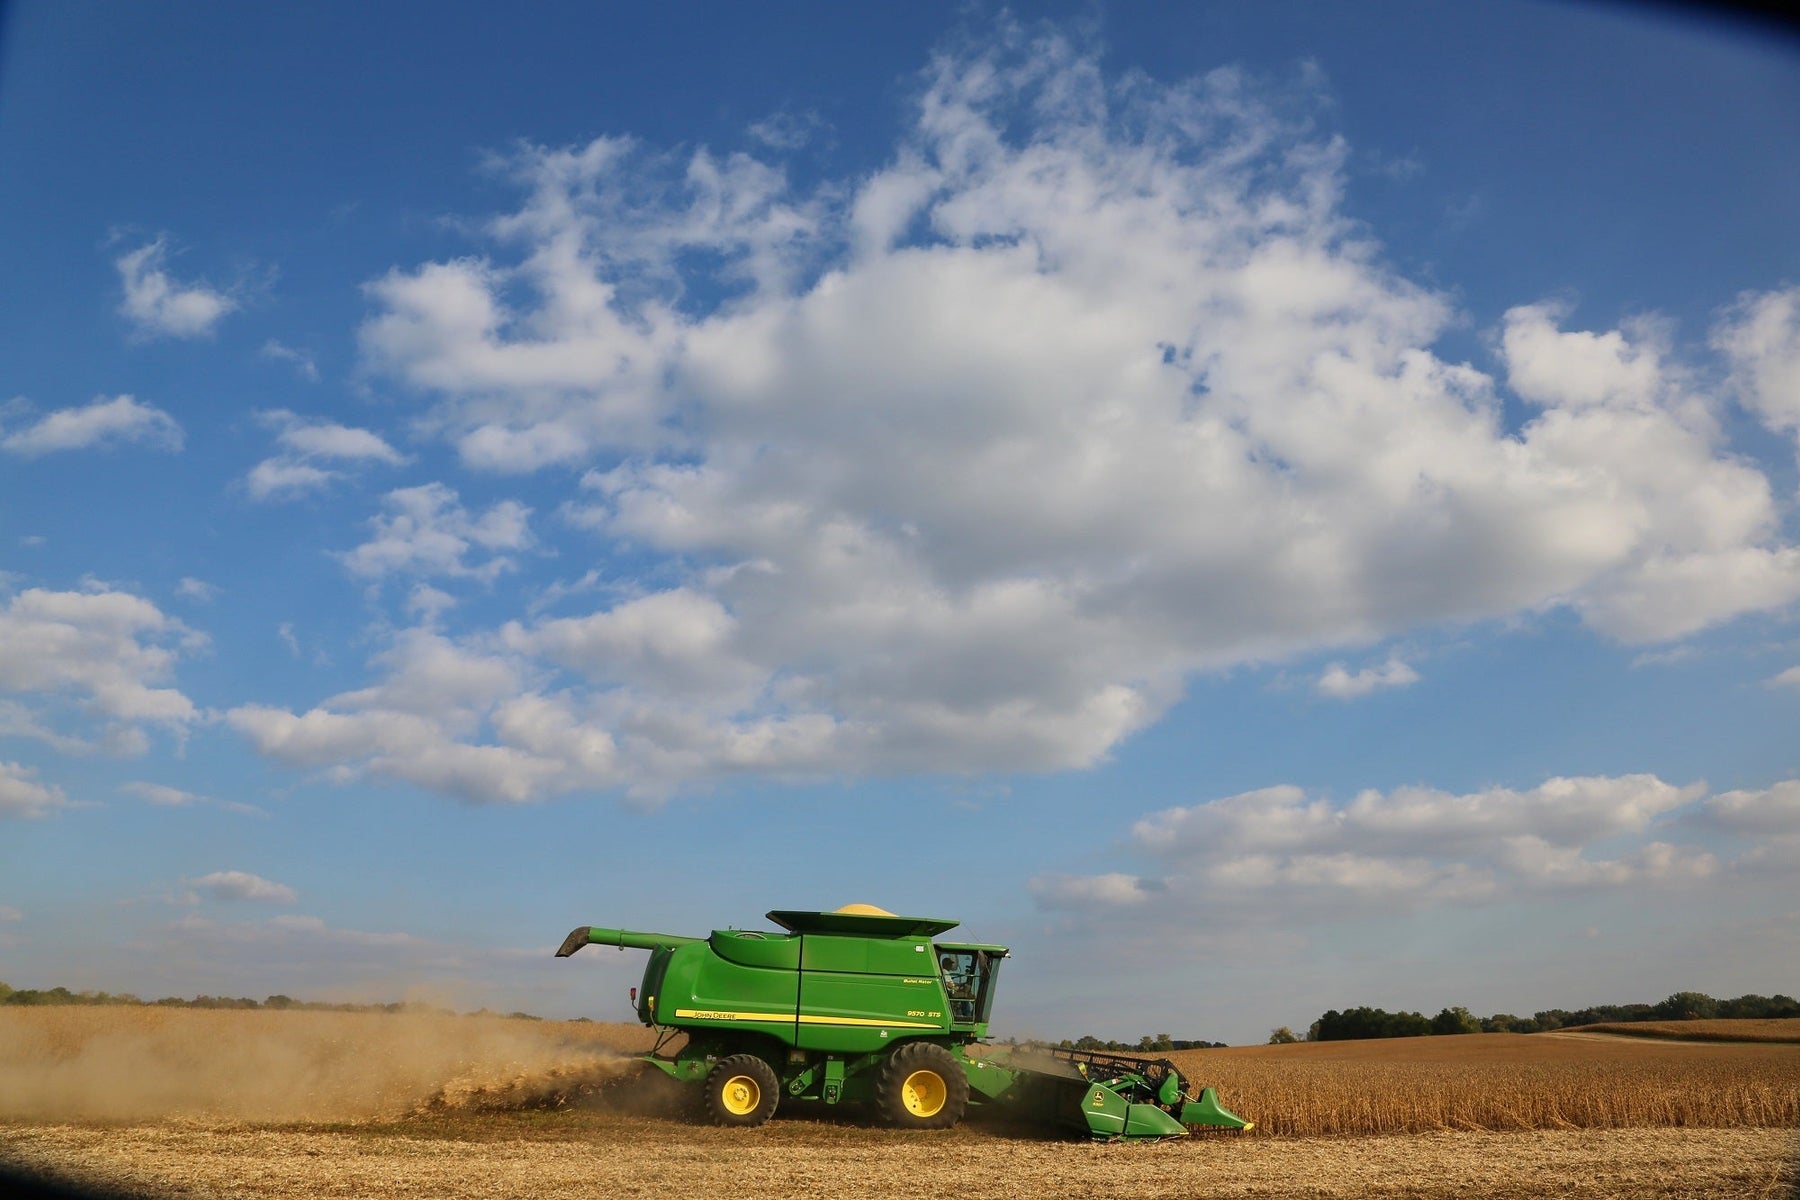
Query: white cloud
column 241, row 885
column 305, row 444
column 1760, row 338
column 276, row 478
column 10, row 915
column 121, row 419
column 169, row 797
column 788, row 130
column 197, row 589
column 1773, row 812
column 108, row 649
column 159, row 306
column 1280, row 851
column 1115, row 890
column 428, row 532
column 1091, row 387
column 412, row 726
column 1787, row 678
column 327, row 439
column 161, row 794
column 302, row 361
column 21, row 795
column 1340, row 684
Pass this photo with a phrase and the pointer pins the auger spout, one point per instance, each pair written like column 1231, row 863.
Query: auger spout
column 629, row 939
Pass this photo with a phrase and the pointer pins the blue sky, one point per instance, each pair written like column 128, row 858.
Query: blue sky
column 1260, row 509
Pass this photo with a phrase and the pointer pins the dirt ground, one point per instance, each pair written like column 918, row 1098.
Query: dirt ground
column 285, row 1106
column 568, row 1155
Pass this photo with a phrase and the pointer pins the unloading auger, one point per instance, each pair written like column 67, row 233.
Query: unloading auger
column 859, row 1004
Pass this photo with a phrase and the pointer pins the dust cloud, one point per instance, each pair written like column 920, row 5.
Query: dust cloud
column 133, row 1064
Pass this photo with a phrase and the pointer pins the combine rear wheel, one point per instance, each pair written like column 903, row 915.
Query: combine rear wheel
column 921, row 1086
column 741, row 1090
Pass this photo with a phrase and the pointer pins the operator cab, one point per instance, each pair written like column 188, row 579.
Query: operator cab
column 969, row 974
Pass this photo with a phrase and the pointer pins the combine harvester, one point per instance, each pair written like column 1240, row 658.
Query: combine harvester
column 862, row 1005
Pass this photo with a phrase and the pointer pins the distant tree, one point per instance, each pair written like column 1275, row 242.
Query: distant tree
column 1750, row 1006
column 1360, row 1023
column 1687, row 1006
column 1507, row 1023
column 1455, row 1020
column 1282, row 1037
column 5, row 993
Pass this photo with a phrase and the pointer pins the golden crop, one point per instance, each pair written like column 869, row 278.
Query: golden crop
column 1502, row 1082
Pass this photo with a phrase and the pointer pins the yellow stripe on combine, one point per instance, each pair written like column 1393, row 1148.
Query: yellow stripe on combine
column 709, row 1014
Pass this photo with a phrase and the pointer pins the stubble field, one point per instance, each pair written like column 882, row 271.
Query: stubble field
column 185, row 1103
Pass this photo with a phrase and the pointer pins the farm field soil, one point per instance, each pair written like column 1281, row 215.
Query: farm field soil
column 205, row 1104
column 786, row 1160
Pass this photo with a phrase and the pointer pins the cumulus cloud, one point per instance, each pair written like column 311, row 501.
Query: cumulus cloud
column 104, row 422
column 197, row 589
column 277, row 478
column 971, row 463
column 1771, row 811
column 241, row 885
column 1115, row 890
column 1760, row 338
column 308, row 444
column 416, row 726
column 159, row 306
column 21, row 795
column 427, row 531
column 1341, row 684
column 1787, row 678
column 1283, row 848
column 107, row 650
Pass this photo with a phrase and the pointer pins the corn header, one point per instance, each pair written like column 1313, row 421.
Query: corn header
column 861, row 1005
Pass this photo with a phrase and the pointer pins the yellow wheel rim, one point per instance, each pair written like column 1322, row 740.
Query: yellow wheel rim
column 924, row 1093
column 740, row 1095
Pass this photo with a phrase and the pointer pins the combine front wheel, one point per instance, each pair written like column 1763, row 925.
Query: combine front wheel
column 741, row 1090
column 921, row 1086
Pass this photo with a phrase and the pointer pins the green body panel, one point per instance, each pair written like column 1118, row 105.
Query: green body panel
column 1208, row 1111
column 1103, row 1111
column 838, row 983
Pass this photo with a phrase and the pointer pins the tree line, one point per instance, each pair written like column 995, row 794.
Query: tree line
column 1148, row 1042
column 62, row 995
column 1360, row 1023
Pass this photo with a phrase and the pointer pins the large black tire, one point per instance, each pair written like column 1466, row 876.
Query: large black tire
column 741, row 1090
column 921, row 1086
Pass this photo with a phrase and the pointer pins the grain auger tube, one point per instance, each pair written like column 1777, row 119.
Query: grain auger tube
column 865, row 1006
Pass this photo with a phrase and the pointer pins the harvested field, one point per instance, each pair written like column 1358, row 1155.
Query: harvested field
column 1771, row 1029
column 274, row 1105
column 786, row 1160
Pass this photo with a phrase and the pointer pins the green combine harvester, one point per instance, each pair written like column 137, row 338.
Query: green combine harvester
column 862, row 1005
